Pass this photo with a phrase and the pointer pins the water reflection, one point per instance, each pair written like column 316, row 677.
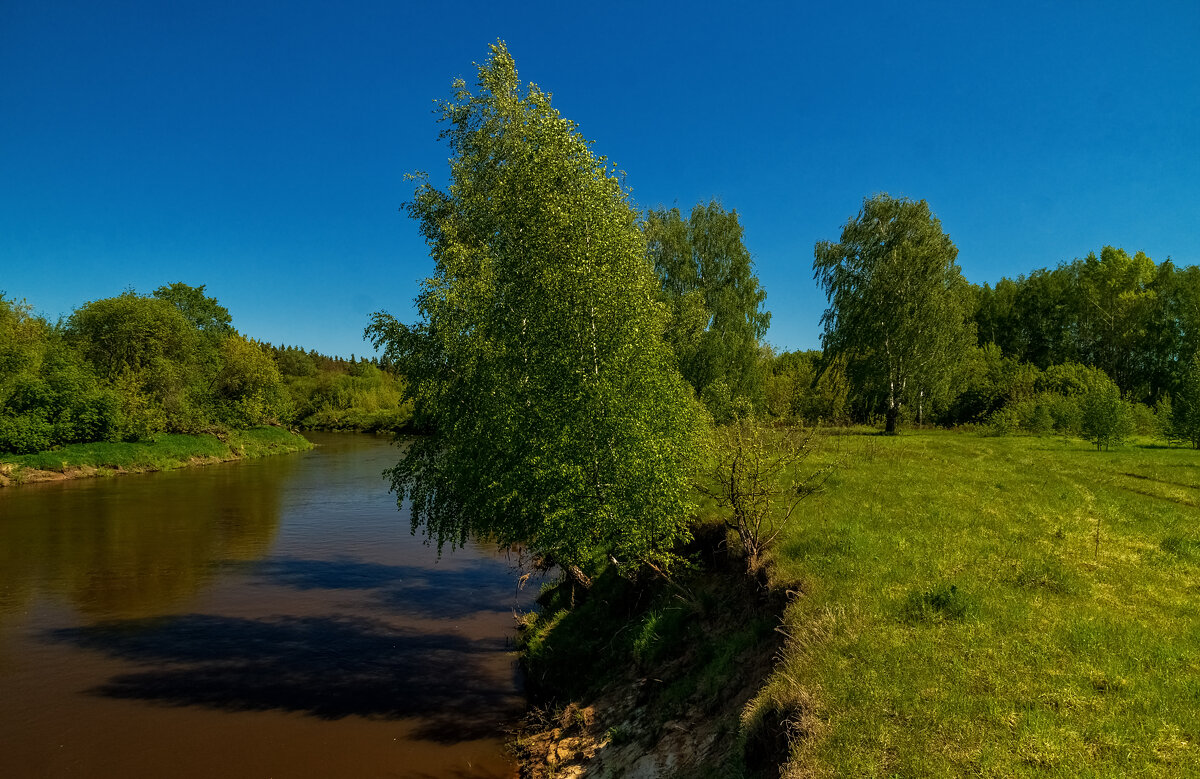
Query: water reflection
column 262, row 618
column 406, row 590
column 136, row 547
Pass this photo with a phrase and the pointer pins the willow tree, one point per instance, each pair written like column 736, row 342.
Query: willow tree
column 557, row 419
column 898, row 304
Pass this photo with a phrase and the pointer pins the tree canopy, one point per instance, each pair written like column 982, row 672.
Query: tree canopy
column 898, row 304
column 557, row 418
column 715, row 301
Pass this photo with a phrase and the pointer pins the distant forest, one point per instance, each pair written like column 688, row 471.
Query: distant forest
column 128, row 367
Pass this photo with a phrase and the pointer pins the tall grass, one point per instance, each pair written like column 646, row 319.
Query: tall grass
column 995, row 607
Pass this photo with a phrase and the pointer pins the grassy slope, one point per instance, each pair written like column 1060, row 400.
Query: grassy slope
column 1047, row 658
column 163, row 453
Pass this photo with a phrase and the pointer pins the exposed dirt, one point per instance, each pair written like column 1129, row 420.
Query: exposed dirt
column 623, row 731
column 12, row 476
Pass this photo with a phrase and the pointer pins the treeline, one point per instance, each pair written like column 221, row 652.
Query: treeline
column 331, row 393
column 1042, row 353
column 132, row 366
column 1033, row 354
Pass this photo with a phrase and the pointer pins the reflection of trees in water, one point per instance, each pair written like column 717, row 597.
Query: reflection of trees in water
column 134, row 546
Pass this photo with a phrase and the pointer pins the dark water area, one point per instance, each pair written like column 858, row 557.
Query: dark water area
column 266, row 618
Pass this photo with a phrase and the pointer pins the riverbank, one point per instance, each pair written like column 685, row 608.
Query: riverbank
column 165, row 452
column 643, row 679
column 966, row 605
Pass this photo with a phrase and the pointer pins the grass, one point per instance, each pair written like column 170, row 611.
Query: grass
column 1001, row 606
column 164, row 452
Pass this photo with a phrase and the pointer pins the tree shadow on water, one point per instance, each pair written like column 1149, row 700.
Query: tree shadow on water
column 327, row 667
column 449, row 593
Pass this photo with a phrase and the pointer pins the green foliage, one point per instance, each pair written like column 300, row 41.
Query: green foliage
column 898, row 304
column 803, row 385
column 207, row 316
column 1120, row 314
column 558, row 420
column 129, row 368
column 1185, row 407
column 48, row 395
column 1106, row 419
column 715, row 301
column 165, row 452
column 248, row 386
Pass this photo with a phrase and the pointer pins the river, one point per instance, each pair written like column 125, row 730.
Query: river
column 264, row 618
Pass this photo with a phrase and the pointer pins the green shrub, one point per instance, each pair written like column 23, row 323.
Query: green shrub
column 1003, row 421
column 1107, row 419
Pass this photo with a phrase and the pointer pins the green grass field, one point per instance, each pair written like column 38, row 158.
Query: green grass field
column 165, row 452
column 982, row 606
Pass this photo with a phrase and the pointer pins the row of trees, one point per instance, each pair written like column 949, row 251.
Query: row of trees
column 1136, row 320
column 128, row 367
column 132, row 366
column 904, row 330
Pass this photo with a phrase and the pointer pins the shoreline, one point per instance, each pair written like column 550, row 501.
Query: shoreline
column 167, row 452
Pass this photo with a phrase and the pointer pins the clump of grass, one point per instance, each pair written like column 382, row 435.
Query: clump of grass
column 1048, row 575
column 940, row 604
column 1181, row 546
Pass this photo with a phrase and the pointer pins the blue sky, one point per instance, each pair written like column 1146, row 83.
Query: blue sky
column 260, row 148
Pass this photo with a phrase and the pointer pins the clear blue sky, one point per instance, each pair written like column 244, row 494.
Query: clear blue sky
column 260, row 147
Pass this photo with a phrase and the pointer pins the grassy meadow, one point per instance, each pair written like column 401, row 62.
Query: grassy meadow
column 993, row 606
column 164, row 452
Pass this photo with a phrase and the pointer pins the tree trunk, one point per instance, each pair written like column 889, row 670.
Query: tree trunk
column 578, row 576
column 893, row 413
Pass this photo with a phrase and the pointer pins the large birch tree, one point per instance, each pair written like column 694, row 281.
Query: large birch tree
column 898, row 304
column 557, row 418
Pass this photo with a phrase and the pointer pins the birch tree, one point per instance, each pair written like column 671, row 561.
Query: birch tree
column 557, row 418
column 898, row 304
column 716, row 302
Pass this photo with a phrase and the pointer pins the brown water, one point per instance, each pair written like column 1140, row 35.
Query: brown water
column 267, row 618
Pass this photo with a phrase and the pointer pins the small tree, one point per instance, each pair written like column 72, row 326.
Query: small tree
column 758, row 475
column 1185, row 407
column 1105, row 416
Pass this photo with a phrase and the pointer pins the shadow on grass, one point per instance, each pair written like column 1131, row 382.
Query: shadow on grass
column 326, row 667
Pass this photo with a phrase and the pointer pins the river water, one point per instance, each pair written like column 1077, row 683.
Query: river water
column 265, row 618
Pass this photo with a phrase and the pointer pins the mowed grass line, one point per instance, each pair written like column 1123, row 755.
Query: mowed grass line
column 958, row 618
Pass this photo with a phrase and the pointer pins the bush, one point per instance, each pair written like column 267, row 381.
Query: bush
column 1066, row 413
column 1107, row 419
column 25, row 434
column 1003, row 421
